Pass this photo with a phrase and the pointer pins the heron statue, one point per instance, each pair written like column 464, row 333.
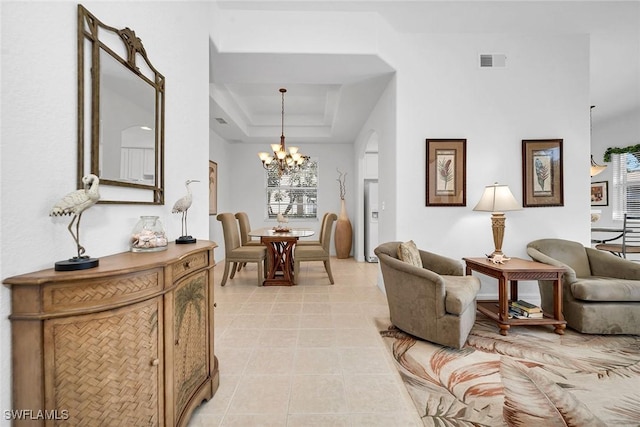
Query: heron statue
column 182, row 206
column 75, row 203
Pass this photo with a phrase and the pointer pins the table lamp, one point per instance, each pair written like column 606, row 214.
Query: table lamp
column 497, row 199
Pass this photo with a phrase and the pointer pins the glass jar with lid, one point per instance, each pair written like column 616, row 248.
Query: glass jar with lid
column 148, row 235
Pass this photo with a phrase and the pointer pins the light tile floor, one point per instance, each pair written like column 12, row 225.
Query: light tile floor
column 307, row 355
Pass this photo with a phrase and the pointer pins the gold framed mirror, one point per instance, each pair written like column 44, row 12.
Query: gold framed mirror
column 120, row 114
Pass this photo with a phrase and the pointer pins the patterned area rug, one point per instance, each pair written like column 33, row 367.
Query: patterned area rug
column 531, row 377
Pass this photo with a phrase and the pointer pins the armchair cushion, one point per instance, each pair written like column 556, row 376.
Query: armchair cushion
column 460, row 293
column 606, row 289
column 409, row 253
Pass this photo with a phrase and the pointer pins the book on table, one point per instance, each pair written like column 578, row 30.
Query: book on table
column 526, row 306
column 523, row 314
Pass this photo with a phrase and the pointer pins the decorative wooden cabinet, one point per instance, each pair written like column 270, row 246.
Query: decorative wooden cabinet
column 129, row 342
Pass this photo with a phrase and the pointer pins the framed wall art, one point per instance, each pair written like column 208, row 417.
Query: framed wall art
column 600, row 193
column 213, row 188
column 446, row 173
column 542, row 182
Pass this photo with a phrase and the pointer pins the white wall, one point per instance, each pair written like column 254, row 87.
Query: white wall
column 382, row 123
column 38, row 105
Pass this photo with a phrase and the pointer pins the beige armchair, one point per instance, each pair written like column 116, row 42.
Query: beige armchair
column 237, row 254
column 600, row 291
column 320, row 252
column 436, row 302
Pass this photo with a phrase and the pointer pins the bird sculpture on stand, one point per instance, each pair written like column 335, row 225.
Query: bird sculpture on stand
column 75, row 203
column 182, row 206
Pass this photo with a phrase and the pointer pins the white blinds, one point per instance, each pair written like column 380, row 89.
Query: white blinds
column 626, row 184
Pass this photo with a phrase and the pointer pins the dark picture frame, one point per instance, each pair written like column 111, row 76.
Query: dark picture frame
column 213, row 188
column 446, row 172
column 542, row 175
column 600, row 193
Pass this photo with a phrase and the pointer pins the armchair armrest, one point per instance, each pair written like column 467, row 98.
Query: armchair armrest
column 441, row 264
column 608, row 265
column 569, row 273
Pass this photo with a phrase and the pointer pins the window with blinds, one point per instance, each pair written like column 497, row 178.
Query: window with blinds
column 295, row 193
column 626, row 184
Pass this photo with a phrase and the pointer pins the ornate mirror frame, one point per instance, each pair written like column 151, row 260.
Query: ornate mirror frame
column 98, row 42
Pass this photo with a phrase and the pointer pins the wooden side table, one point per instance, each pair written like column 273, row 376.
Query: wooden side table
column 513, row 270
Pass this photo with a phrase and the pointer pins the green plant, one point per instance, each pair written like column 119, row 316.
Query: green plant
column 620, row 150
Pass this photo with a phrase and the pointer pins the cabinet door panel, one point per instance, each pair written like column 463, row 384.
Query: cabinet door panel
column 107, row 366
column 190, row 359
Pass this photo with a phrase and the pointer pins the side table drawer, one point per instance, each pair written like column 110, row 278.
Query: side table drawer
column 189, row 264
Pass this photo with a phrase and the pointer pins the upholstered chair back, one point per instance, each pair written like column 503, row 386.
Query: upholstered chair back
column 245, row 227
column 230, row 231
column 389, row 248
column 567, row 252
column 324, row 220
column 325, row 231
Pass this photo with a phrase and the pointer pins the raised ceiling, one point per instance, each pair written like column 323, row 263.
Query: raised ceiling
column 330, row 96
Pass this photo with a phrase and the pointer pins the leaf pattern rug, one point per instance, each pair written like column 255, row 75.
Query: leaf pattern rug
column 531, row 377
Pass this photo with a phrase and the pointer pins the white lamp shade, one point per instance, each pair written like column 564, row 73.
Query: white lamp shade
column 497, row 198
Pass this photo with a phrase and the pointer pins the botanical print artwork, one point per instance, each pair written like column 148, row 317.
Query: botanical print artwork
column 542, row 179
column 446, row 172
column 531, row 377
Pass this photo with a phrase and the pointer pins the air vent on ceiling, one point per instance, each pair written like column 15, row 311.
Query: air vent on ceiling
column 495, row 60
column 221, row 120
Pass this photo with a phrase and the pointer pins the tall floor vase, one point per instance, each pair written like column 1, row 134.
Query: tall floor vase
column 343, row 234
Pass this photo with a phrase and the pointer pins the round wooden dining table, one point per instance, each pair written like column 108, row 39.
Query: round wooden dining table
column 280, row 249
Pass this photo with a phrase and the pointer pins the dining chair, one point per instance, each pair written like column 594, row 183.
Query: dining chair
column 236, row 253
column 630, row 239
column 305, row 253
column 306, row 242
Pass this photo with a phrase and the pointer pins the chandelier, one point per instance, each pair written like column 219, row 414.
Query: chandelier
column 282, row 160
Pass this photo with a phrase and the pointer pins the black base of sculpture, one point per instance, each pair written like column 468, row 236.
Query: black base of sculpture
column 77, row 263
column 185, row 239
